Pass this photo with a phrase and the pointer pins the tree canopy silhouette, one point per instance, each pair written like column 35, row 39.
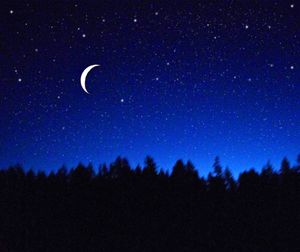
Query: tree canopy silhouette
column 118, row 208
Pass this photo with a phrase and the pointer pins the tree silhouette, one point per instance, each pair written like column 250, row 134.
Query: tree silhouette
column 119, row 168
column 229, row 180
column 178, row 169
column 298, row 163
column 191, row 171
column 285, row 167
column 103, row 171
column 150, row 168
column 138, row 170
column 217, row 167
column 120, row 209
column 216, row 180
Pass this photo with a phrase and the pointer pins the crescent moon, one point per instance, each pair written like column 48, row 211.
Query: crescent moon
column 83, row 76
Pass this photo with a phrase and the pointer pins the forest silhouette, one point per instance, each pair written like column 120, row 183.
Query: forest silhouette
column 120, row 208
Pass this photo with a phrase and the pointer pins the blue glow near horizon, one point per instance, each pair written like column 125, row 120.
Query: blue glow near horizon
column 184, row 81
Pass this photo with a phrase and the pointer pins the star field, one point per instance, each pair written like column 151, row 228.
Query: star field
column 180, row 79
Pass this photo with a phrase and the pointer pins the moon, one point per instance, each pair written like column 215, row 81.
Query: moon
column 84, row 75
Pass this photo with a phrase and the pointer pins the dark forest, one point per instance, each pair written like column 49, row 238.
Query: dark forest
column 120, row 208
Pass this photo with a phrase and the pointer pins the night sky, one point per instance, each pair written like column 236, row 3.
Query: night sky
column 177, row 79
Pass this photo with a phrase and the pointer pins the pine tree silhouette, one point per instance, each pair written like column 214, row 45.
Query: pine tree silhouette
column 120, row 209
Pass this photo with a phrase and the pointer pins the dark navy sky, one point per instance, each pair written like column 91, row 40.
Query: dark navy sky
column 177, row 79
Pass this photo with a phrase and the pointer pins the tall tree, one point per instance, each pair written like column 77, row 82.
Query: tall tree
column 285, row 167
column 217, row 167
column 216, row 181
column 150, row 168
column 191, row 170
column 229, row 180
column 178, row 169
column 120, row 168
column 298, row 164
column 138, row 170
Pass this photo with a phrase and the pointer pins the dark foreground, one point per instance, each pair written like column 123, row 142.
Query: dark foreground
column 121, row 209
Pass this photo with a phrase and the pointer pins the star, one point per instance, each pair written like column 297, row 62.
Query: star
column 175, row 62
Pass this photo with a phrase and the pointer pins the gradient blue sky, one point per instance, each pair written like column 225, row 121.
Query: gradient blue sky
column 186, row 79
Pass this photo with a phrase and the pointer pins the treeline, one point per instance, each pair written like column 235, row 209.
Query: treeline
column 120, row 208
